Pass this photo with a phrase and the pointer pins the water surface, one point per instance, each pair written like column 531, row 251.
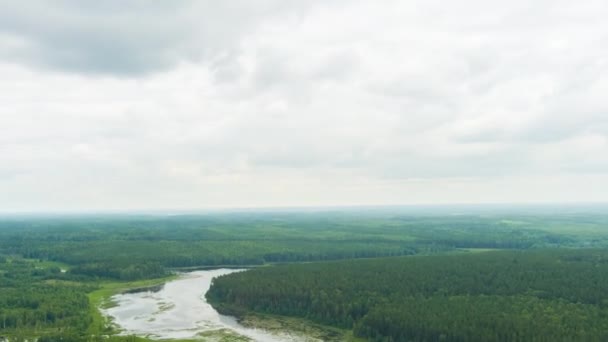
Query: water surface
column 179, row 310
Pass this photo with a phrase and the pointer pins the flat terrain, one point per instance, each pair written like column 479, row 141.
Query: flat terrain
column 56, row 271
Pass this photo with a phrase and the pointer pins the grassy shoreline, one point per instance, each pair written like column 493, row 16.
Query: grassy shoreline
column 296, row 326
column 100, row 298
column 280, row 325
column 300, row 328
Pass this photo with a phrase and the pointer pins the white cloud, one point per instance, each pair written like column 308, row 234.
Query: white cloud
column 197, row 104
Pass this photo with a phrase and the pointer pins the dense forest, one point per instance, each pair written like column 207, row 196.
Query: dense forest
column 38, row 300
column 50, row 266
column 541, row 295
column 134, row 247
column 31, row 298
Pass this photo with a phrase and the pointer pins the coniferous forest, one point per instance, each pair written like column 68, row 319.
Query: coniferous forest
column 384, row 275
column 541, row 295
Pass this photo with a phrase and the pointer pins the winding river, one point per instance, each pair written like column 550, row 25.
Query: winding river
column 179, row 310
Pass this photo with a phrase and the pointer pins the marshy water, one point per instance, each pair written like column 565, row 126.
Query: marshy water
column 179, row 310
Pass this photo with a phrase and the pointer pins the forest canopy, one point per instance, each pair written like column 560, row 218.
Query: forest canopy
column 349, row 269
column 542, row 295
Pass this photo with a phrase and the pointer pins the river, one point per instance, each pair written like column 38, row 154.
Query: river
column 179, row 310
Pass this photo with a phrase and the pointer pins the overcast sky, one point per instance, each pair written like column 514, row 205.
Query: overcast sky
column 202, row 104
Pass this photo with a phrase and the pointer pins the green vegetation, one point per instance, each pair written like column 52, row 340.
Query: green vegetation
column 222, row 335
column 541, row 295
column 138, row 247
column 56, row 271
column 40, row 299
column 298, row 327
column 99, row 299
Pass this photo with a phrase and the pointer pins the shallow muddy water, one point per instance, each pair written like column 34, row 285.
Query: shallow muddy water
column 179, row 310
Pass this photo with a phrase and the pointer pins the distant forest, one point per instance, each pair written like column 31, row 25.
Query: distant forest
column 130, row 248
column 356, row 270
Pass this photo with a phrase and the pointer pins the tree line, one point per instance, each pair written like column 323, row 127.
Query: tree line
column 541, row 295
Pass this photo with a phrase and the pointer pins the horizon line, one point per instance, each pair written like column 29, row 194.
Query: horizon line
column 298, row 208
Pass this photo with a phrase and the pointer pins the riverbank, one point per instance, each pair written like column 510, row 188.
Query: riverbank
column 307, row 330
column 174, row 308
column 178, row 311
column 101, row 298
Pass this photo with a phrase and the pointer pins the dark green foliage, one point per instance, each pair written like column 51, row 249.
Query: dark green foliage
column 33, row 298
column 126, row 271
column 39, row 299
column 544, row 295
